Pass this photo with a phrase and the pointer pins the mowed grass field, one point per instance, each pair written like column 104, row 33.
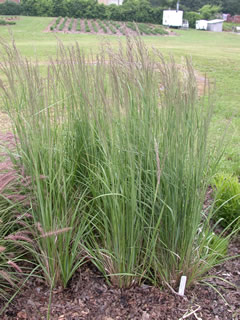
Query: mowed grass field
column 216, row 55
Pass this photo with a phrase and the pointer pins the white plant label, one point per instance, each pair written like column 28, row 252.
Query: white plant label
column 182, row 285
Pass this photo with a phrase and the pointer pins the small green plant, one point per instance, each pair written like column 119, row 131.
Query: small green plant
column 131, row 26
column 62, row 25
column 78, row 27
column 102, row 25
column 144, row 29
column 160, row 31
column 227, row 202
column 87, row 29
column 54, row 26
column 115, row 24
column 94, row 26
column 112, row 29
column 71, row 24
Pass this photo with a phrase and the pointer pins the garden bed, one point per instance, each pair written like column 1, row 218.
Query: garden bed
column 71, row 25
column 89, row 297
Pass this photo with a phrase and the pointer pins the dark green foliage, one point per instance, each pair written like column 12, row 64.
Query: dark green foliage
column 131, row 10
column 231, row 6
column 209, row 12
column 192, row 17
column 10, row 8
column 37, row 7
column 228, row 6
column 59, row 8
column 227, row 204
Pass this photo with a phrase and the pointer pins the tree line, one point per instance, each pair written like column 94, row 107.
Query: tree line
column 227, row 6
column 131, row 10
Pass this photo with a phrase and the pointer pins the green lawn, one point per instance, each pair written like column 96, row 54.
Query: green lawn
column 215, row 54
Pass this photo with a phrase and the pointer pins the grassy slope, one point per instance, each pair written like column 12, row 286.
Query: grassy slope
column 216, row 54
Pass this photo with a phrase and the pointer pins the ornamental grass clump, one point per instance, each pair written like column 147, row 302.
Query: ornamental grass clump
column 116, row 148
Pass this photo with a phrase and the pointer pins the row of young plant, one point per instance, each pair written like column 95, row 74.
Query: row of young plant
column 107, row 26
column 146, row 29
column 112, row 166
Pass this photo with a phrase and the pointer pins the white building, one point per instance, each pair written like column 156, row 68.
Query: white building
column 173, row 18
column 201, row 24
column 212, row 25
column 215, row 25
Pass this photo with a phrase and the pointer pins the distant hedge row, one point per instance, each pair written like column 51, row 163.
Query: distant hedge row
column 131, row 10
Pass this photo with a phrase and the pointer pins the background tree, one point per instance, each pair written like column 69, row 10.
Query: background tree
column 209, row 12
column 231, row 6
column 59, row 8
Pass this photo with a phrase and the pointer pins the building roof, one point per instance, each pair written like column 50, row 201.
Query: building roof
column 216, row 21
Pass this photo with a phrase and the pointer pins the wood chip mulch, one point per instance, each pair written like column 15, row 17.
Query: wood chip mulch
column 89, row 297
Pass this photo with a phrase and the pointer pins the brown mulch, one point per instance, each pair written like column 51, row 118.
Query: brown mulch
column 89, row 297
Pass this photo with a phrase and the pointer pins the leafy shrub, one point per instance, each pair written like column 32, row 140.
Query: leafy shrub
column 10, row 8
column 209, row 12
column 192, row 17
column 227, row 203
column 134, row 10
